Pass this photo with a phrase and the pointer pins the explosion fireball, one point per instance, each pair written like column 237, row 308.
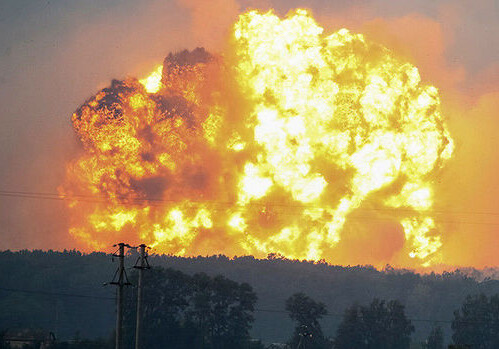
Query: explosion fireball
column 267, row 148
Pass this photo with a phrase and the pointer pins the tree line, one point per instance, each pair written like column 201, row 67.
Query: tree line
column 181, row 311
column 201, row 308
column 198, row 311
column 384, row 325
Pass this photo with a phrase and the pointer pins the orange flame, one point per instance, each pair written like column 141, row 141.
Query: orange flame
column 267, row 150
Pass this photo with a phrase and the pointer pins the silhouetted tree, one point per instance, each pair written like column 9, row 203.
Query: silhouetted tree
column 435, row 339
column 306, row 313
column 476, row 324
column 222, row 309
column 182, row 311
column 350, row 333
column 167, row 293
column 380, row 325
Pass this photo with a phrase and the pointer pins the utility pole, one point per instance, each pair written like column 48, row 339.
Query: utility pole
column 120, row 279
column 141, row 265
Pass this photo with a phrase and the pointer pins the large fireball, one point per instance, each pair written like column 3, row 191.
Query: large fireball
column 267, row 148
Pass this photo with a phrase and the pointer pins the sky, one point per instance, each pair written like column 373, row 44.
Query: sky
column 55, row 54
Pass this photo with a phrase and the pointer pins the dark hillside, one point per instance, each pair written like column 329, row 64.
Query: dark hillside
column 426, row 297
column 70, row 274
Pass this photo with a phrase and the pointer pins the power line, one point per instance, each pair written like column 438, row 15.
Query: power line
column 156, row 202
column 329, row 314
column 46, row 293
column 149, row 200
column 337, row 315
column 262, row 310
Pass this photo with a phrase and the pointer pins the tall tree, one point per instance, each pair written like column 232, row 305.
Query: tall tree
column 182, row 311
column 350, row 333
column 435, row 339
column 223, row 309
column 380, row 325
column 306, row 313
column 476, row 324
column 167, row 295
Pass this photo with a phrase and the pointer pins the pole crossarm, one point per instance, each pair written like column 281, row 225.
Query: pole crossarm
column 120, row 279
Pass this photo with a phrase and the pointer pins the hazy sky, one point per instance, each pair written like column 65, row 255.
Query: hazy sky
column 54, row 54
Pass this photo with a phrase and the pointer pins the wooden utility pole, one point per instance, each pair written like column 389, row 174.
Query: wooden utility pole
column 141, row 265
column 120, row 280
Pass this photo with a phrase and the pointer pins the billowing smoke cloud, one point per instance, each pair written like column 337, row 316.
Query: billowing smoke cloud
column 292, row 129
column 453, row 43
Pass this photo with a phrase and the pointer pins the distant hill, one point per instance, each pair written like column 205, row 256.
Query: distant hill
column 42, row 290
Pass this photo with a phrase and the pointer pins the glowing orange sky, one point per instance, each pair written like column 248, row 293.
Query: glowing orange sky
column 441, row 39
